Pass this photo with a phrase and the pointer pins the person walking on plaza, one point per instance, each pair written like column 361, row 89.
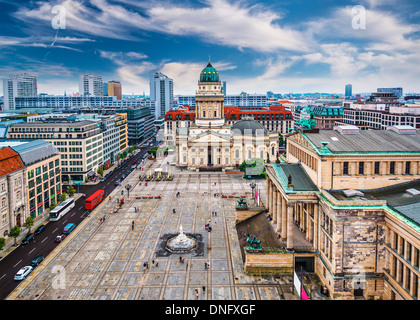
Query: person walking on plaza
column 132, row 225
column 196, row 293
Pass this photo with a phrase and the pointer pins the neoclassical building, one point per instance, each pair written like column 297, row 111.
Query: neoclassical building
column 210, row 142
column 346, row 206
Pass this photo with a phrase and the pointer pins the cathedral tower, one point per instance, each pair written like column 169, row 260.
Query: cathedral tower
column 209, row 99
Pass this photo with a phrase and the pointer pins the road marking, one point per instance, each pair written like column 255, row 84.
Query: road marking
column 2, row 276
column 80, row 208
column 44, row 239
column 17, row 263
column 64, row 222
column 31, row 251
column 73, row 214
column 55, row 230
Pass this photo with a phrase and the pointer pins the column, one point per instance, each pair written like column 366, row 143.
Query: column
column 414, row 253
column 272, row 198
column 412, row 283
column 283, row 219
column 276, row 196
column 269, row 188
column 392, row 270
column 316, row 222
column 290, row 209
column 279, row 212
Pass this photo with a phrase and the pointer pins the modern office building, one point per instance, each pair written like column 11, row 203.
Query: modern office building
column 18, row 85
column 121, row 123
column 115, row 89
column 239, row 100
column 398, row 92
column 349, row 91
column 90, row 85
column 79, row 142
column 345, row 205
column 161, row 93
column 140, row 124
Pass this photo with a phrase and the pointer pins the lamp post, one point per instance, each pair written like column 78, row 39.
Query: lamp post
column 253, row 185
column 128, row 187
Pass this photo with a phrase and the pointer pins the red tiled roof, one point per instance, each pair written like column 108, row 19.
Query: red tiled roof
column 9, row 161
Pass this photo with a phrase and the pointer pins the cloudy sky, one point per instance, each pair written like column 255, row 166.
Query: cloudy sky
column 257, row 46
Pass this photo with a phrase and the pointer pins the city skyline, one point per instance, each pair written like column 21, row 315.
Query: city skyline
column 257, row 46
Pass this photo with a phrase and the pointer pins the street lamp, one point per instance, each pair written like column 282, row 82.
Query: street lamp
column 128, row 187
column 253, row 185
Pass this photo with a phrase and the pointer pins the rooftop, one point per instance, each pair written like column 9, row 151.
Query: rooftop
column 366, row 141
column 300, row 179
column 9, row 161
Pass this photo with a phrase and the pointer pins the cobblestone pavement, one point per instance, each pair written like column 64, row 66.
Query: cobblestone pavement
column 104, row 260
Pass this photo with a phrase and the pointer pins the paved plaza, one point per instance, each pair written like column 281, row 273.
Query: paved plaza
column 104, row 260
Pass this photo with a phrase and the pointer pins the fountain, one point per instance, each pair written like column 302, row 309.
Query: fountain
column 181, row 243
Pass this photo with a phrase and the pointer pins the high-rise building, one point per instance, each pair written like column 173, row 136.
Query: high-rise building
column 105, row 89
column 90, row 85
column 18, row 85
column 114, row 89
column 349, row 89
column 162, row 93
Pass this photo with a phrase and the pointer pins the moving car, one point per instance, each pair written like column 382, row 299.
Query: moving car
column 60, row 238
column 69, row 228
column 23, row 272
column 28, row 238
column 39, row 229
column 35, row 262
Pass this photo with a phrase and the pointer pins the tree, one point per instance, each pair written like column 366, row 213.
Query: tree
column 52, row 205
column 2, row 243
column 61, row 197
column 29, row 222
column 71, row 191
column 101, row 171
column 15, row 232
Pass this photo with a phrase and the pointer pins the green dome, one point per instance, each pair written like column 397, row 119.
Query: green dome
column 209, row 74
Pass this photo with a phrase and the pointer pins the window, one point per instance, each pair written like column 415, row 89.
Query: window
column 377, row 167
column 345, row 168
column 361, row 168
column 392, row 167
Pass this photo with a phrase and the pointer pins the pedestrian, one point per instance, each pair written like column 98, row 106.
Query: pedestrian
column 132, row 225
column 205, row 265
column 104, row 218
column 204, row 289
column 196, row 293
column 209, row 229
column 157, row 262
column 153, row 262
column 101, row 220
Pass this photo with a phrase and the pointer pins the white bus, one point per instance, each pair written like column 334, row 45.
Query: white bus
column 61, row 209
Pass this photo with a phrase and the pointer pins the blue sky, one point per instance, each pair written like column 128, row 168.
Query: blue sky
column 257, row 46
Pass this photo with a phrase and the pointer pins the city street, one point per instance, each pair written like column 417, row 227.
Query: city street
column 44, row 243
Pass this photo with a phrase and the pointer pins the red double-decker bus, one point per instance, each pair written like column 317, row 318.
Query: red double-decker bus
column 94, row 199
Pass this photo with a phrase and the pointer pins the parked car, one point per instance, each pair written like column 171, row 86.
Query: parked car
column 60, row 238
column 39, row 229
column 23, row 272
column 35, row 262
column 28, row 238
column 117, row 182
column 103, row 179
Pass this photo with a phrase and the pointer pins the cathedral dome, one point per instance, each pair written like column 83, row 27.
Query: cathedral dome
column 249, row 127
column 209, row 74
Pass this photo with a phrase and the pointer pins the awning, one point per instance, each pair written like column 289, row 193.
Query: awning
column 90, row 173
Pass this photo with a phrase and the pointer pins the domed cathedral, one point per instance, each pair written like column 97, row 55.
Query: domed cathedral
column 212, row 144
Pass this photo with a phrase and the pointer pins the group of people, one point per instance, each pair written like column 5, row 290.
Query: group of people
column 208, row 227
column 146, row 264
